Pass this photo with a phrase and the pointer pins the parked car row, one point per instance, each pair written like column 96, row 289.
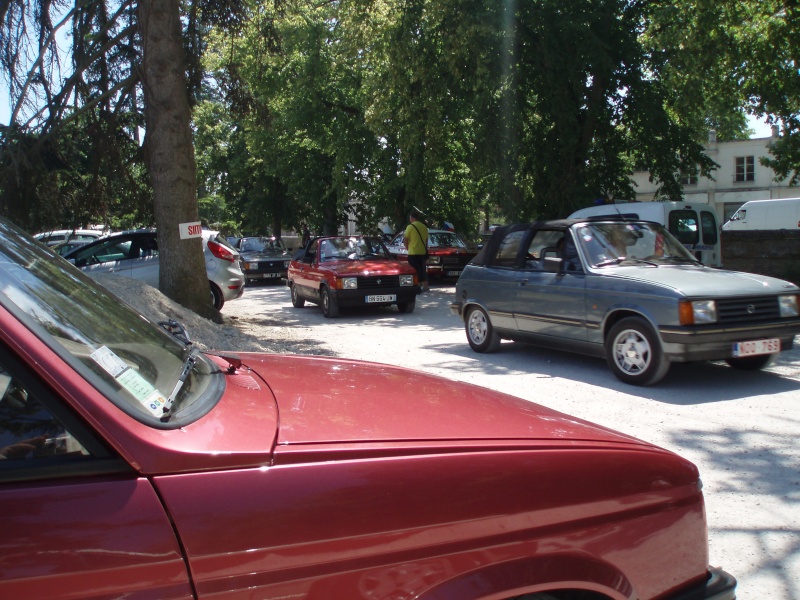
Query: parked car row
column 51, row 238
column 132, row 464
column 448, row 254
column 135, row 254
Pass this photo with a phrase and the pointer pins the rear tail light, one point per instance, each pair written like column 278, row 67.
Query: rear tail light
column 221, row 252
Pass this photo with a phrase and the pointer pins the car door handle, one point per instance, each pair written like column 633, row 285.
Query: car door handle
column 522, row 282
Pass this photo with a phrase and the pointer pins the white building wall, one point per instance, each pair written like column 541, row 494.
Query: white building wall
column 722, row 191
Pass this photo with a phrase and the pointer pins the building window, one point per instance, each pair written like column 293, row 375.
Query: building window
column 745, row 168
column 688, row 178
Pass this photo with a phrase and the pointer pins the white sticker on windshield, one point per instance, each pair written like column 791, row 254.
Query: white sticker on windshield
column 129, row 379
column 111, row 363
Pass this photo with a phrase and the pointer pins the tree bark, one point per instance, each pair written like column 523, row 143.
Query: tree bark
column 170, row 156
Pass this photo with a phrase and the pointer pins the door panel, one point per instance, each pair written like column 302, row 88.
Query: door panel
column 77, row 522
column 83, row 538
column 552, row 304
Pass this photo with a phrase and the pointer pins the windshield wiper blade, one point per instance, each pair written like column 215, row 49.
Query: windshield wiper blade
column 188, row 365
column 681, row 259
column 641, row 261
column 176, row 329
column 609, row 262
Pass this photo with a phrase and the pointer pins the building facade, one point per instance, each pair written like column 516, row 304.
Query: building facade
column 739, row 178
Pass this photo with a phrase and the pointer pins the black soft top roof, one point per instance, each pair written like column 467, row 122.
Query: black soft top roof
column 490, row 247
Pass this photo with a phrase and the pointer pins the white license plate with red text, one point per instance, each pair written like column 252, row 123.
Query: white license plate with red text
column 756, row 347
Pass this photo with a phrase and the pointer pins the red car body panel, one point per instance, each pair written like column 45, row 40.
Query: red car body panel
column 94, row 538
column 370, row 402
column 341, row 480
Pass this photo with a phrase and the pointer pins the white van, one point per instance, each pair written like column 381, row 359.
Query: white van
column 780, row 213
column 695, row 225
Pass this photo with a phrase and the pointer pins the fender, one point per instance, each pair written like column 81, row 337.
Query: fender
column 551, row 572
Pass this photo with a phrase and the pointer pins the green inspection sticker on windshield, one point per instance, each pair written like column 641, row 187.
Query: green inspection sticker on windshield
column 129, row 379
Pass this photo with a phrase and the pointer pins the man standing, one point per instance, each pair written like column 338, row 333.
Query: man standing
column 415, row 239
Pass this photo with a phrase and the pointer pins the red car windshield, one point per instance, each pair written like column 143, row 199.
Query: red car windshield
column 445, row 239
column 352, row 248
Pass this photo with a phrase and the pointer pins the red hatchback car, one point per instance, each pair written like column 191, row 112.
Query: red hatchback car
column 135, row 466
column 339, row 271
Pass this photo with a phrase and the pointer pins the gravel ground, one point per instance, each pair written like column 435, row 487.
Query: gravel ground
column 741, row 429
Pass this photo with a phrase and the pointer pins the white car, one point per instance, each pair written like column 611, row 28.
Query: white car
column 51, row 238
column 134, row 254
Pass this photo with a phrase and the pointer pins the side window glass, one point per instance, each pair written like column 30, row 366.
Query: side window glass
column 149, row 247
column 111, row 251
column 312, row 250
column 544, row 243
column 29, row 434
column 709, row 225
column 683, row 225
column 509, row 248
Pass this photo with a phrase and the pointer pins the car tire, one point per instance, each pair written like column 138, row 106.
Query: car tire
column 480, row 332
column 634, row 352
column 297, row 301
column 330, row 307
column 217, row 299
column 407, row 307
column 750, row 363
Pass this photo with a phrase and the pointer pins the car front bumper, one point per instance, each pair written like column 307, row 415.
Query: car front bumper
column 276, row 275
column 716, row 342
column 369, row 297
column 719, row 585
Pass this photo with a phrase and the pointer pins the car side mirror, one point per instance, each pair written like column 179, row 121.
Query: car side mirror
column 552, row 264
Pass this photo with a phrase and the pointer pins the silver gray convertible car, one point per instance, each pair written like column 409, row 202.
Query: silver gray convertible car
column 624, row 290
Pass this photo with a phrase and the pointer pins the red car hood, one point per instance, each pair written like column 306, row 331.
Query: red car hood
column 332, row 401
column 343, row 268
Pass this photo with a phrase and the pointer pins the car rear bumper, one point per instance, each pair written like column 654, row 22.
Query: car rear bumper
column 718, row 586
column 369, row 297
column 716, row 342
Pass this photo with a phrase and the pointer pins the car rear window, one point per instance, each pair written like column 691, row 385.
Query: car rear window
column 508, row 250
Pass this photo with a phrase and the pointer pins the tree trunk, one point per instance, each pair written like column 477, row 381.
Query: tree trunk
column 170, row 156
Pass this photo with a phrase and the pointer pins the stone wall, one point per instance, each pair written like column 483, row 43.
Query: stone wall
column 775, row 253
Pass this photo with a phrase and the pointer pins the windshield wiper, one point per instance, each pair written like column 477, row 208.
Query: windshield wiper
column 622, row 259
column 609, row 262
column 188, row 365
column 681, row 259
column 640, row 261
column 176, row 329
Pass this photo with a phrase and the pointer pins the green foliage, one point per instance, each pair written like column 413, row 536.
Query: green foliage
column 472, row 111
column 86, row 172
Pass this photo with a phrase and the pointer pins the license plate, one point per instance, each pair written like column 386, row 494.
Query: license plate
column 453, row 273
column 270, row 275
column 770, row 346
column 384, row 298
